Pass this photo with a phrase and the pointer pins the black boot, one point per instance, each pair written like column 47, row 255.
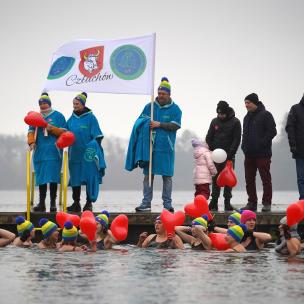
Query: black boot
column 227, row 204
column 42, row 195
column 250, row 206
column 213, row 204
column 75, row 207
column 53, row 195
column 88, row 206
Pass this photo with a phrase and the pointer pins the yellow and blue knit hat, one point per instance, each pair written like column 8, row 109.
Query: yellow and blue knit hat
column 203, row 221
column 69, row 232
column 23, row 224
column 235, row 217
column 237, row 232
column 103, row 220
column 45, row 98
column 82, row 97
column 165, row 85
column 47, row 227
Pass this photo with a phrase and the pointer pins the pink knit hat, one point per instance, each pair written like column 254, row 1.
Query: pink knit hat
column 247, row 215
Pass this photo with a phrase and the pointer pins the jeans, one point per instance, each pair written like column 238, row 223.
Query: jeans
column 300, row 176
column 251, row 167
column 166, row 194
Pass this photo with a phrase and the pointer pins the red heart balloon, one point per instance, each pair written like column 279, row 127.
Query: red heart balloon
column 35, row 119
column 301, row 204
column 294, row 213
column 170, row 220
column 66, row 139
column 198, row 208
column 218, row 241
column 227, row 176
column 87, row 213
column 61, row 218
column 75, row 219
column 88, row 226
column 119, row 227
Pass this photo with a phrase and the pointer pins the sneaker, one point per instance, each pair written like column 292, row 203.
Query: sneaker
column 75, row 207
column 143, row 208
column 266, row 208
column 88, row 206
column 250, row 206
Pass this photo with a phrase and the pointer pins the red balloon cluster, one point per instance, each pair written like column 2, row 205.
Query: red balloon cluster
column 170, row 220
column 218, row 241
column 295, row 213
column 66, row 139
column 198, row 208
column 227, row 176
column 119, row 227
column 35, row 119
column 62, row 217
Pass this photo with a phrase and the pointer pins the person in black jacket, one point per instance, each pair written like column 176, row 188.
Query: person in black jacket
column 295, row 131
column 259, row 129
column 224, row 133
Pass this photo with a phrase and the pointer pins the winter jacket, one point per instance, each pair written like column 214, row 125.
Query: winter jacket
column 204, row 166
column 259, row 129
column 295, row 129
column 225, row 134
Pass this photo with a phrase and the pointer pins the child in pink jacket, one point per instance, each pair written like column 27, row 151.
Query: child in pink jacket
column 204, row 168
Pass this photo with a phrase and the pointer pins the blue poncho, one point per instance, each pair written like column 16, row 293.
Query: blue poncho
column 85, row 128
column 47, row 158
column 93, row 169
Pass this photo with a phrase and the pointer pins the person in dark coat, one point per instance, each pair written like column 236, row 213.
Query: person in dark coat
column 295, row 132
column 224, row 133
column 259, row 129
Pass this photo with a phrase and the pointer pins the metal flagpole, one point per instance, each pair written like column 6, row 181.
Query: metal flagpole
column 152, row 112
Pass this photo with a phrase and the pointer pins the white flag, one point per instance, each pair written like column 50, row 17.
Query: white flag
column 124, row 66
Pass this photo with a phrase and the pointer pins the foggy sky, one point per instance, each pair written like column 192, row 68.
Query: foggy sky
column 209, row 50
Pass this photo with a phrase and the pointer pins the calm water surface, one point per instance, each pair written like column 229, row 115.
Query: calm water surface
column 133, row 275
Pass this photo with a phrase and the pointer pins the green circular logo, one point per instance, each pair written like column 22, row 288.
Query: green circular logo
column 128, row 62
column 89, row 154
column 60, row 67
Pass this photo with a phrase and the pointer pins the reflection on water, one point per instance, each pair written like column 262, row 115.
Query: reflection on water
column 132, row 275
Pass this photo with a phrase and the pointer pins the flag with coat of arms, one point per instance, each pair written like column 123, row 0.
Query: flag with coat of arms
column 124, row 66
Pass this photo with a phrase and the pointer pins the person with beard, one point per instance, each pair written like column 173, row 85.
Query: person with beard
column 295, row 132
column 47, row 158
column 259, row 129
column 224, row 133
column 85, row 127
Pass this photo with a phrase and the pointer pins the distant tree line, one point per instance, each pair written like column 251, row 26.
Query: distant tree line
column 13, row 164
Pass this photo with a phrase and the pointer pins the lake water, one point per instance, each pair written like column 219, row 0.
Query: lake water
column 126, row 201
column 133, row 275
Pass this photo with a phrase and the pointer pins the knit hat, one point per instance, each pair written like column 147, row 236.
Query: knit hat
column 23, row 224
column 237, row 232
column 47, row 227
column 45, row 98
column 235, row 217
column 69, row 232
column 222, row 107
column 106, row 213
column 247, row 215
column 82, row 97
column 103, row 220
column 254, row 98
column 203, row 221
column 165, row 85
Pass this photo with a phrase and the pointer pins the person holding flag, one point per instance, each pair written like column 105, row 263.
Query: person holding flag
column 47, row 157
column 85, row 127
column 166, row 121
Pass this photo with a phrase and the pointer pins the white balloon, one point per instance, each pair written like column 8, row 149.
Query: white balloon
column 219, row 156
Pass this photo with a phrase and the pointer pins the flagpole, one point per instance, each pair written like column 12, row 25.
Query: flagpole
column 152, row 111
